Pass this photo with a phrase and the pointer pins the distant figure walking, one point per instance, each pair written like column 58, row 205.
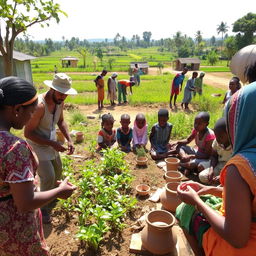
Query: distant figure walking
column 177, row 85
column 136, row 74
column 99, row 82
column 112, row 87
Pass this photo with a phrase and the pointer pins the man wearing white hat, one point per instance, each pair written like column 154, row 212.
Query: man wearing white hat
column 41, row 132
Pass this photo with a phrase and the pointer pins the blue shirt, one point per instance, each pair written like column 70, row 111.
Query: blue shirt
column 178, row 80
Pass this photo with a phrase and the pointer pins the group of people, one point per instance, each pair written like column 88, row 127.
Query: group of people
column 117, row 89
column 231, row 228
column 223, row 156
column 193, row 86
column 20, row 199
column 229, row 147
column 114, row 86
column 124, row 135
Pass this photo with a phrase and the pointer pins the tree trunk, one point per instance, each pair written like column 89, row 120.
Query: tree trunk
column 8, row 65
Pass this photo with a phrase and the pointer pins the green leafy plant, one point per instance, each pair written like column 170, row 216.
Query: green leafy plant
column 140, row 152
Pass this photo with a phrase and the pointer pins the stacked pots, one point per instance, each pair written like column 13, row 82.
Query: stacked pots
column 157, row 236
column 172, row 163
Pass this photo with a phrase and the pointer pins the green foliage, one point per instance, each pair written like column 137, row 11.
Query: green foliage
column 102, row 203
column 140, row 151
column 77, row 117
column 212, row 57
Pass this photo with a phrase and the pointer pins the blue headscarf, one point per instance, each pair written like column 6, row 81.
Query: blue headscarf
column 240, row 116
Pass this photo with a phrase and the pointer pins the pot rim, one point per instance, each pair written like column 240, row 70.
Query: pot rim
column 179, row 174
column 137, row 188
column 167, row 226
column 171, row 182
column 177, row 160
column 141, row 160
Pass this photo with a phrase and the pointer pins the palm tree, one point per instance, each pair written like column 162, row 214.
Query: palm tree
column 198, row 37
column 222, row 28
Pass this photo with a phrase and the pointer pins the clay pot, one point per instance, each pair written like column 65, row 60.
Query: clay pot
column 157, row 236
column 172, row 163
column 79, row 137
column 173, row 176
column 169, row 198
column 142, row 160
column 60, row 136
column 143, row 189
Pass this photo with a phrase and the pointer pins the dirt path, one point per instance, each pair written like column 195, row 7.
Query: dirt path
column 117, row 111
column 216, row 79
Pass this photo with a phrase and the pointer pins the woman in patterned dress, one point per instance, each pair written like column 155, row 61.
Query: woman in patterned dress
column 21, row 232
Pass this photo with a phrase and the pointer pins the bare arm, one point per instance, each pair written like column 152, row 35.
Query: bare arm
column 64, row 129
column 26, row 199
column 152, row 133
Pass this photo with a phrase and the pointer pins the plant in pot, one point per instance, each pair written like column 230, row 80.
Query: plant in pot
column 141, row 158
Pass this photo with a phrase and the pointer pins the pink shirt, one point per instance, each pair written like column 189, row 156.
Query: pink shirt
column 208, row 136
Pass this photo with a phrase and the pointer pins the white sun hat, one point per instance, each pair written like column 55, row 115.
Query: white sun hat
column 243, row 59
column 61, row 83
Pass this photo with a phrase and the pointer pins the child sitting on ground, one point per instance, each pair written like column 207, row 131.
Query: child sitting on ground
column 140, row 132
column 159, row 137
column 221, row 153
column 203, row 136
column 124, row 134
column 107, row 135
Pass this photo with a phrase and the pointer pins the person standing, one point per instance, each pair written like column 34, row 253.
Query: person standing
column 177, row 85
column 136, row 74
column 199, row 84
column 189, row 88
column 40, row 132
column 21, row 228
column 99, row 82
column 112, row 85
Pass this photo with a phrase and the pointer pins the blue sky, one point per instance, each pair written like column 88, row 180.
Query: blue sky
column 103, row 19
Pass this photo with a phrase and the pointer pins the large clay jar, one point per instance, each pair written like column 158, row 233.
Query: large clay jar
column 173, row 176
column 157, row 236
column 172, row 163
column 169, row 198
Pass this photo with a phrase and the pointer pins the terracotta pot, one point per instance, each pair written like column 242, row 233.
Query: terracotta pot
column 141, row 160
column 173, row 176
column 142, row 189
column 157, row 236
column 172, row 163
column 169, row 198
column 79, row 137
column 60, row 136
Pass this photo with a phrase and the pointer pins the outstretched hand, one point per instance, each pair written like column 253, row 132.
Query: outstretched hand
column 66, row 188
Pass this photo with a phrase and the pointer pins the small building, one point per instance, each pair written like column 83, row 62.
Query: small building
column 190, row 63
column 21, row 66
column 69, row 62
column 143, row 66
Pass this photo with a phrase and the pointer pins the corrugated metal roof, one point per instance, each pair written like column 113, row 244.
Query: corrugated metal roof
column 69, row 58
column 189, row 60
column 21, row 56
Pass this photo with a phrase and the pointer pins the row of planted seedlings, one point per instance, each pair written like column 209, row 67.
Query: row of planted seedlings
column 103, row 197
